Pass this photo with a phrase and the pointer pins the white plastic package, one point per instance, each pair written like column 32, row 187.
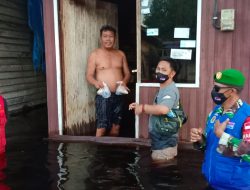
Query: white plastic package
column 120, row 90
column 104, row 92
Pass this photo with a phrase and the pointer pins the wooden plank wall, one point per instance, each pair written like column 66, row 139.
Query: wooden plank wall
column 19, row 84
column 219, row 50
column 80, row 24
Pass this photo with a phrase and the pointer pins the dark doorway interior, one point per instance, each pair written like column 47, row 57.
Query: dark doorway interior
column 127, row 43
column 127, row 37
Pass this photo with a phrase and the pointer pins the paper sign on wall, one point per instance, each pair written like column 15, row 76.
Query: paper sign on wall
column 187, row 43
column 152, row 31
column 185, row 54
column 181, row 32
column 145, row 11
column 144, row 3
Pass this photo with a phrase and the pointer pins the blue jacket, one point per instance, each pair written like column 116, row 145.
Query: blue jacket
column 222, row 172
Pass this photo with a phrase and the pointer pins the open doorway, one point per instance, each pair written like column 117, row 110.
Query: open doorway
column 127, row 43
column 80, row 21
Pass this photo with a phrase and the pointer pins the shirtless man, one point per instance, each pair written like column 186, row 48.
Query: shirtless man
column 109, row 65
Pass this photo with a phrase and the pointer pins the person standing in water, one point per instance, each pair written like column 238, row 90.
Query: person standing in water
column 164, row 136
column 226, row 138
column 108, row 66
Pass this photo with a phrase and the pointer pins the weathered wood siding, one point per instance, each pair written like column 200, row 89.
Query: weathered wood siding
column 80, row 24
column 219, row 50
column 19, row 84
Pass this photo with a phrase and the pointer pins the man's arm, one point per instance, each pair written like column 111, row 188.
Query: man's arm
column 90, row 72
column 149, row 109
column 240, row 148
column 236, row 147
column 232, row 146
column 155, row 109
column 161, row 108
column 125, row 68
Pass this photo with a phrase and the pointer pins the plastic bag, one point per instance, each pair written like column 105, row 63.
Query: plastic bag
column 104, row 92
column 120, row 90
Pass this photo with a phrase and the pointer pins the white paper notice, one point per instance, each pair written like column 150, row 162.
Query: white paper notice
column 187, row 43
column 144, row 3
column 145, row 11
column 152, row 31
column 185, row 54
column 181, row 32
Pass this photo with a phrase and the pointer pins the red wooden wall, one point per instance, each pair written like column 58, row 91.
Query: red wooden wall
column 219, row 50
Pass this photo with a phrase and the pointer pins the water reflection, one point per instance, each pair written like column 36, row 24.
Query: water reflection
column 62, row 170
column 133, row 169
column 3, row 165
column 90, row 166
column 113, row 168
column 79, row 166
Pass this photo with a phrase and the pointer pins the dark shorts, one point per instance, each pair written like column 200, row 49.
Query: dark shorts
column 159, row 142
column 108, row 110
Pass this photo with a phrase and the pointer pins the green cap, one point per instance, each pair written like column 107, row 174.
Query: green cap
column 230, row 77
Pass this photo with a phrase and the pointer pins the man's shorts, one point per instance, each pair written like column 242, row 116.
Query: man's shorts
column 108, row 110
column 164, row 154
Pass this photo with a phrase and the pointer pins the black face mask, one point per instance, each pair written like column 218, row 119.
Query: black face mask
column 218, row 98
column 161, row 78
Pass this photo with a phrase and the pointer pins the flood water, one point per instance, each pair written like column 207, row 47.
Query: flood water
column 32, row 163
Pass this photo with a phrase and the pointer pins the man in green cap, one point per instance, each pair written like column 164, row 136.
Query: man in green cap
column 226, row 139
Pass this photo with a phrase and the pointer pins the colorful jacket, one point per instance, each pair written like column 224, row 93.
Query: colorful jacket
column 221, row 171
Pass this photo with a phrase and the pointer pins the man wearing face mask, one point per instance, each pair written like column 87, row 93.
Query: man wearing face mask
column 226, row 138
column 164, row 143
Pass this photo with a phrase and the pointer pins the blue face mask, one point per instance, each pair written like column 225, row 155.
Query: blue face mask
column 161, row 78
column 218, row 98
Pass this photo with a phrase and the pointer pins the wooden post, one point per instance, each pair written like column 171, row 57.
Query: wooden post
column 49, row 34
column 138, row 39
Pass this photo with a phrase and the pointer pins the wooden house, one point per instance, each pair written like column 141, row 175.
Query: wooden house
column 206, row 36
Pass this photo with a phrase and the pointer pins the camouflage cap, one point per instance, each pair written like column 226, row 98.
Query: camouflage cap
column 230, row 77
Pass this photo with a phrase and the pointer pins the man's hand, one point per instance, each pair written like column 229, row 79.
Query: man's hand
column 126, row 87
column 196, row 134
column 99, row 84
column 123, row 84
column 219, row 127
column 136, row 107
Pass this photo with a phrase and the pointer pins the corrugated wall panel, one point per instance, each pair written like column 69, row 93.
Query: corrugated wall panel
column 19, row 84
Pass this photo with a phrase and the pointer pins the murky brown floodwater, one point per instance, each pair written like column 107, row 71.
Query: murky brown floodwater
column 73, row 166
column 31, row 163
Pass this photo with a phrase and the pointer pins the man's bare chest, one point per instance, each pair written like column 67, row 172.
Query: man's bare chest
column 109, row 62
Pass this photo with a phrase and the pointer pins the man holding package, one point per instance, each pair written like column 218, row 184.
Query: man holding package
column 108, row 71
column 226, row 137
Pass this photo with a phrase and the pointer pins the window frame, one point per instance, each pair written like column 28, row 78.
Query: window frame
column 196, row 84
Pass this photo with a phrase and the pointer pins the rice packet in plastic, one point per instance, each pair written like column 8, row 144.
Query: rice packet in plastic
column 120, row 90
column 104, row 92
